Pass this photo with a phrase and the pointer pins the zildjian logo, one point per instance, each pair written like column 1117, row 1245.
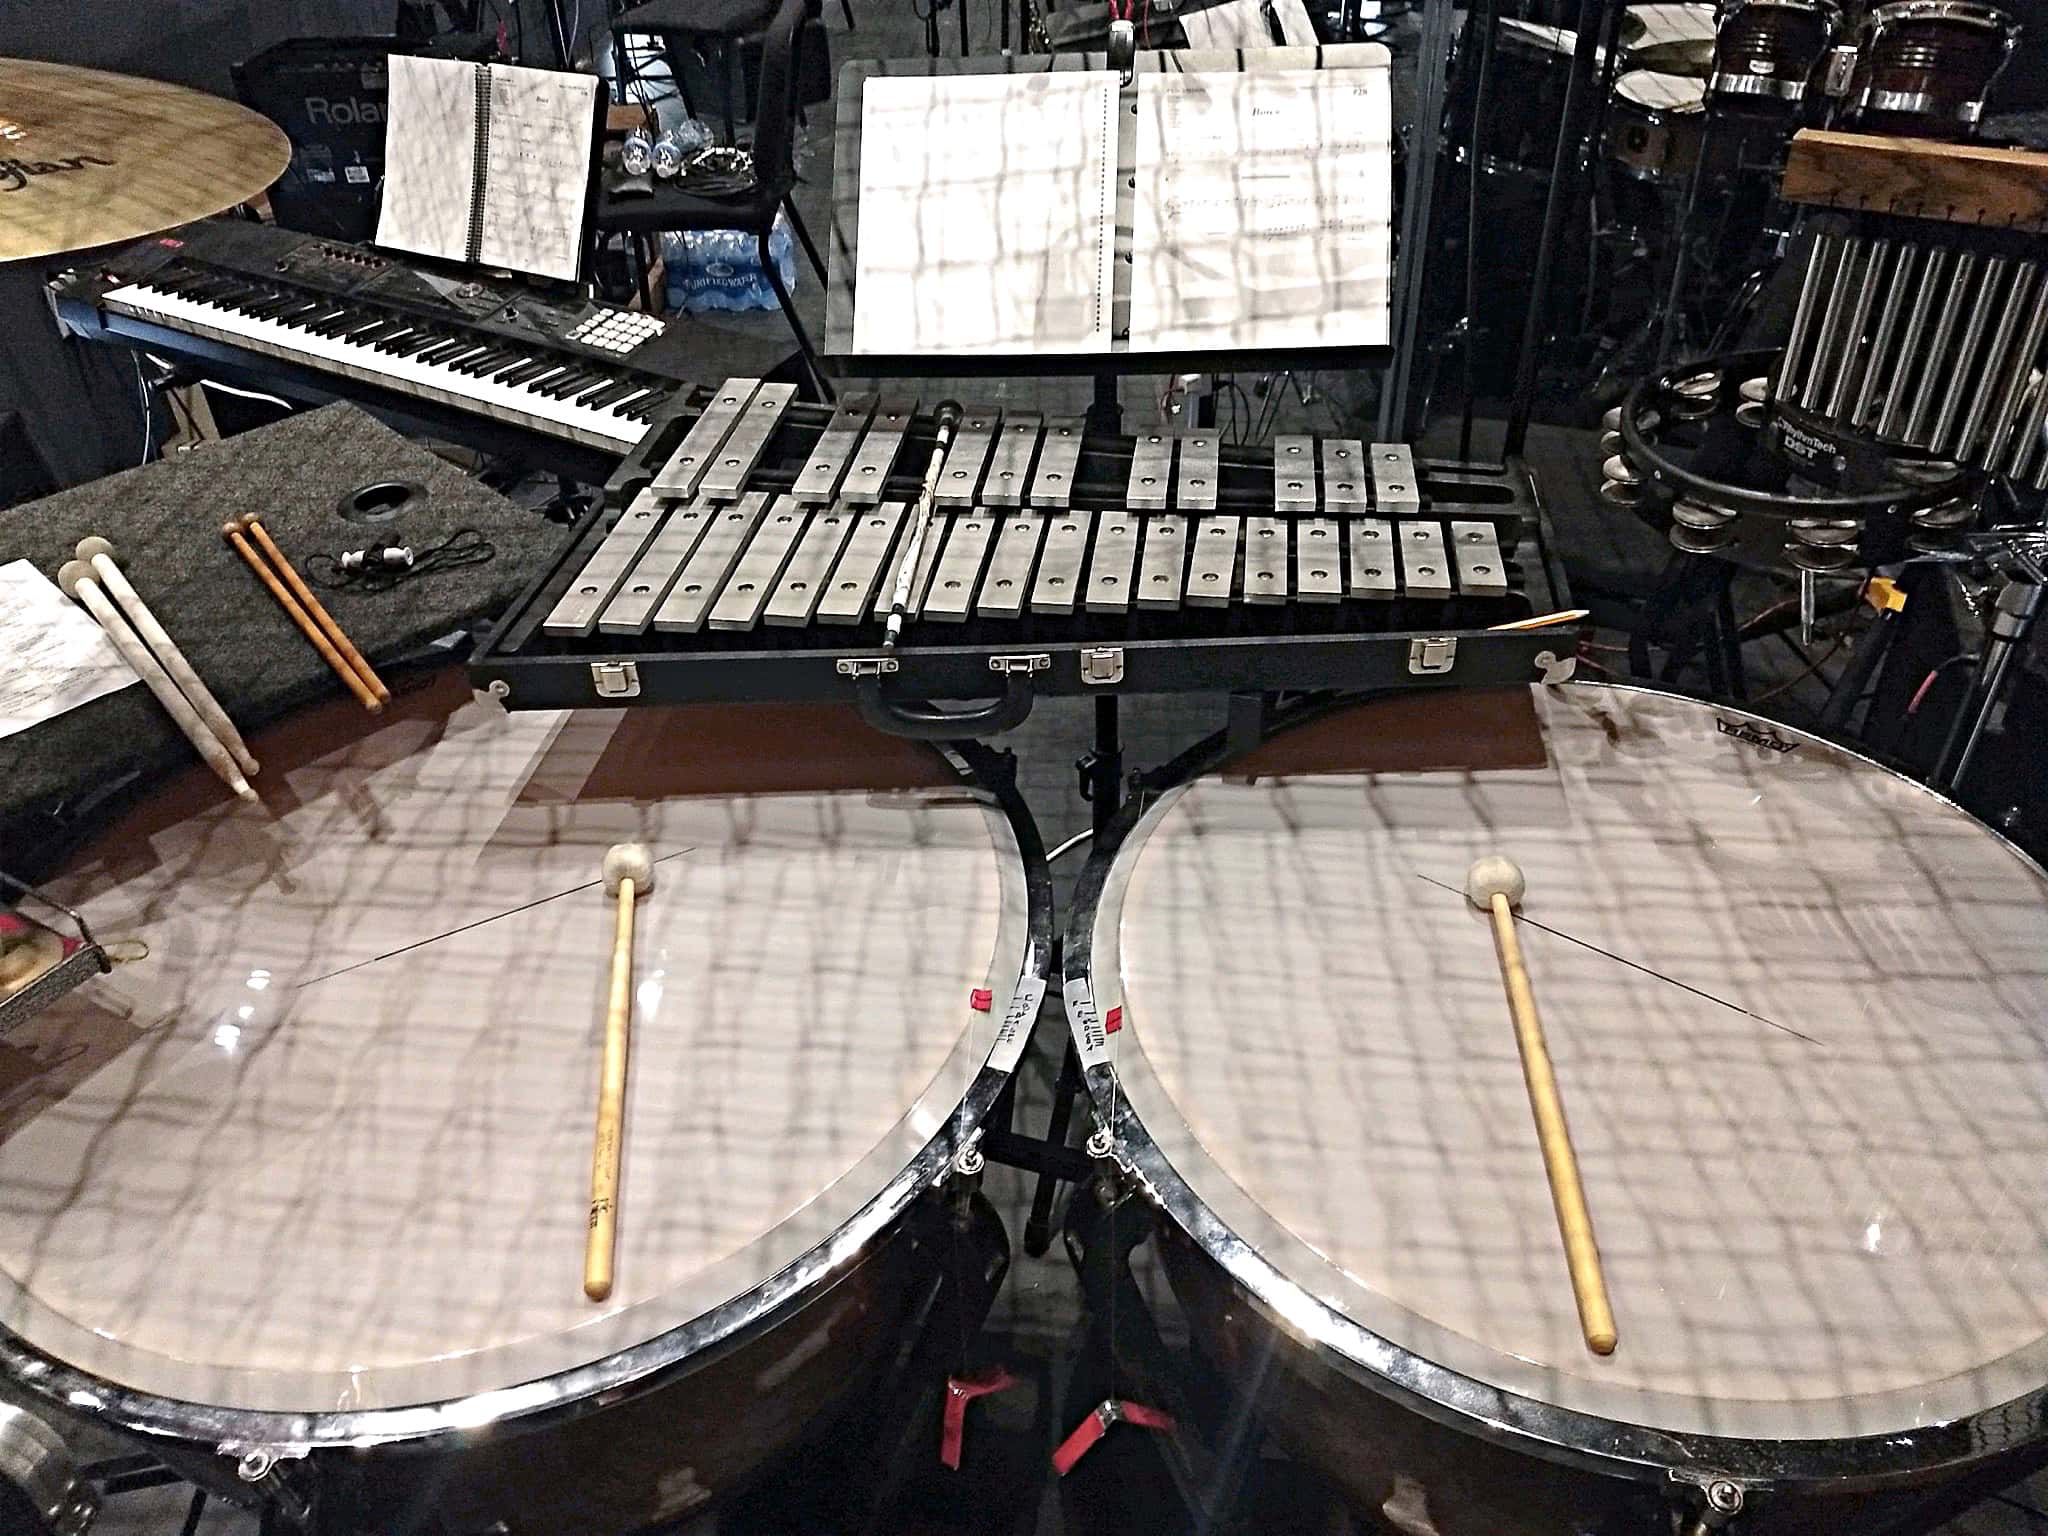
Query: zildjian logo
column 14, row 174
column 1769, row 740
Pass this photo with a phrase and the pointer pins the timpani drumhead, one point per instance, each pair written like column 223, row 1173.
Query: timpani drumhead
column 336, row 1154
column 1661, row 93
column 1798, row 1007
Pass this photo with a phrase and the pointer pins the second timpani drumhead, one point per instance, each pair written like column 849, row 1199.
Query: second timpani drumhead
column 1798, row 1007
column 1662, row 93
column 328, row 1147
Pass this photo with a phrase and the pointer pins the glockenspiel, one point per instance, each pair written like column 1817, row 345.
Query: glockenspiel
column 754, row 547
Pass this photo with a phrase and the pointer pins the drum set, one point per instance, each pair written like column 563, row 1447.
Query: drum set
column 1696, row 107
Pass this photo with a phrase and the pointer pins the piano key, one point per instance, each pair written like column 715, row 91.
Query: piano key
column 684, row 471
column 735, row 459
column 703, row 575
column 1294, row 477
column 1372, row 558
column 648, row 582
column 576, row 611
column 1318, row 561
column 423, row 375
column 1425, row 567
column 859, row 570
column 1109, row 572
column 760, row 565
column 1163, row 562
column 1344, row 472
column 1009, row 467
column 966, row 457
column 959, row 567
column 1212, row 563
column 1008, row 580
column 1265, row 559
column 1058, row 583
column 1052, row 483
column 1200, row 470
column 1476, row 551
column 803, row 583
column 1395, row 490
column 1151, row 472
column 867, row 476
column 818, row 481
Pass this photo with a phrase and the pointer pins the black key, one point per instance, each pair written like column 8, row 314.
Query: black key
column 489, row 361
column 532, row 368
column 570, row 383
column 609, row 397
column 449, row 351
column 604, row 386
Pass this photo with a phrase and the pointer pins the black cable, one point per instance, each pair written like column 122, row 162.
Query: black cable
column 2038, row 1516
column 194, row 1513
column 465, row 546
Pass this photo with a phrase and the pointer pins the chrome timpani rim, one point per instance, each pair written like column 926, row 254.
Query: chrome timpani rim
column 566, row 1394
column 1457, row 1400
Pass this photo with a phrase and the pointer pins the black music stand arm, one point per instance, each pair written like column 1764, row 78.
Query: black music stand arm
column 1418, row 196
column 1563, row 191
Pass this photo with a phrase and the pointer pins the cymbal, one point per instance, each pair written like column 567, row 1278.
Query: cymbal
column 88, row 158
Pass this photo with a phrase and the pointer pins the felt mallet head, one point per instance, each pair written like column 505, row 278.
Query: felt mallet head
column 1491, row 876
column 91, row 548
column 628, row 861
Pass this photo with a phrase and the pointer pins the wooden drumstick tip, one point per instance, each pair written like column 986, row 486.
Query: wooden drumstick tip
column 1495, row 876
column 628, row 861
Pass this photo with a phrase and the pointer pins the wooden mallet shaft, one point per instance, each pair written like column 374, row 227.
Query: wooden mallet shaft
column 317, row 610
column 1500, row 884
column 369, row 700
column 628, row 875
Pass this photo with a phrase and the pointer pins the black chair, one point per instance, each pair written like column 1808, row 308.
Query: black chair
column 710, row 31
column 674, row 206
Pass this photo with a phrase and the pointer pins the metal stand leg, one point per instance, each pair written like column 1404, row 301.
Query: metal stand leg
column 819, row 383
column 2011, row 623
column 803, row 233
column 1105, row 411
column 1102, row 772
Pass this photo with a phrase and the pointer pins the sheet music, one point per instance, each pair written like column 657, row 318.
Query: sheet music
column 538, row 170
column 53, row 657
column 429, row 135
column 1243, row 24
column 1264, row 209
column 987, row 213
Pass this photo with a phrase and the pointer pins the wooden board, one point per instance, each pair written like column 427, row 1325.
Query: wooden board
column 1919, row 178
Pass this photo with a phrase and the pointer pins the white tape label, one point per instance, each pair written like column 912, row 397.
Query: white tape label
column 1014, row 1032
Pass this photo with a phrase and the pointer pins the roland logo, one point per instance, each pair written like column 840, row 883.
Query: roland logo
column 349, row 112
column 1765, row 737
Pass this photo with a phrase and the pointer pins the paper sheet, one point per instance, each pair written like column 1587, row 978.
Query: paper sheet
column 1264, row 209
column 53, row 657
column 538, row 170
column 536, row 164
column 1243, row 24
column 429, row 128
column 987, row 213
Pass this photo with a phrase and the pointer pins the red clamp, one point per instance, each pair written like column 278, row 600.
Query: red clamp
column 960, row 1391
column 1111, row 1410
column 981, row 999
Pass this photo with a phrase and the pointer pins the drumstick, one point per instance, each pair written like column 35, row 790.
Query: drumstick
column 316, row 608
column 1495, row 885
column 76, row 578
column 628, row 875
column 233, row 533
column 99, row 554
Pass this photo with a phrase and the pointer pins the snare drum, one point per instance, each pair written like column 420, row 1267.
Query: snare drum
column 1769, row 49
column 1672, row 39
column 1798, row 1008
column 1924, row 67
column 1524, row 98
column 309, row 1184
column 1654, row 126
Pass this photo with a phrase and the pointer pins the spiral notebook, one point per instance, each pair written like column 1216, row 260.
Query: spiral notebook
column 1067, row 213
column 489, row 164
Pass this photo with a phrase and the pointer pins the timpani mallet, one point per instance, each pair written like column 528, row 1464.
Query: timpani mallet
column 628, row 875
column 99, row 554
column 78, row 581
column 1495, row 885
